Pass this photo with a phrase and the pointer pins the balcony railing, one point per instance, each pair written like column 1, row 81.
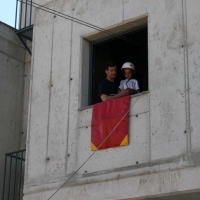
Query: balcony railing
column 23, row 15
column 13, row 175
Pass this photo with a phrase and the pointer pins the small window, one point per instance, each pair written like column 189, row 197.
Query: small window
column 120, row 51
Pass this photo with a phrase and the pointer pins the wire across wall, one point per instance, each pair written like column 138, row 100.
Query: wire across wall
column 76, row 20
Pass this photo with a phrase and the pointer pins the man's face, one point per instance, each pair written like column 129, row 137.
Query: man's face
column 111, row 72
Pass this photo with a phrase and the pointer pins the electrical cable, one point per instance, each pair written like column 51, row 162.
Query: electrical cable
column 54, row 12
column 94, row 151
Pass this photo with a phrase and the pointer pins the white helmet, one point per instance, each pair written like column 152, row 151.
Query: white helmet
column 128, row 65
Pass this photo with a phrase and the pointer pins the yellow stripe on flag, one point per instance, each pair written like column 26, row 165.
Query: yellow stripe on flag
column 93, row 147
column 124, row 141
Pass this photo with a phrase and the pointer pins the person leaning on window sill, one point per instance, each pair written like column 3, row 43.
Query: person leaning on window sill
column 107, row 88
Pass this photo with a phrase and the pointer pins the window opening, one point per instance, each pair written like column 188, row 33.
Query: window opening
column 120, row 51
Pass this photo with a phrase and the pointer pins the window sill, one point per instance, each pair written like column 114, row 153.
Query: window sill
column 84, row 108
column 134, row 95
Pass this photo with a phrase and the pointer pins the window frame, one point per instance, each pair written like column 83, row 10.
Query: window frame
column 88, row 43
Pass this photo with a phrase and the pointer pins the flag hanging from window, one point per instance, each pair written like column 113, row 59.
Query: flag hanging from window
column 105, row 117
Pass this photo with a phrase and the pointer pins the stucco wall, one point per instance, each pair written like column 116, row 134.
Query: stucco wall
column 164, row 138
column 12, row 55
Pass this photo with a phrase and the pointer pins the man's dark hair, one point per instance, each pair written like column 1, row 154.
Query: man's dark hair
column 110, row 64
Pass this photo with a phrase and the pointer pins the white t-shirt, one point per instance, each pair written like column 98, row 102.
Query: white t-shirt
column 131, row 83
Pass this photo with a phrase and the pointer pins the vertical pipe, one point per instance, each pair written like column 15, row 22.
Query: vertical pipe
column 4, row 178
column 25, row 15
column 30, row 13
column 21, row 8
column 15, row 175
column 20, row 173
column 16, row 13
column 9, row 177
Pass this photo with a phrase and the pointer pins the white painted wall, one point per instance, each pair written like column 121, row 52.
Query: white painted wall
column 164, row 138
column 12, row 55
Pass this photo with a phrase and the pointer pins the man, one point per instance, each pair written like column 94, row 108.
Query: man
column 107, row 88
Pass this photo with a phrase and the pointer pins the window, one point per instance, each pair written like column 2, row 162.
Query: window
column 119, row 50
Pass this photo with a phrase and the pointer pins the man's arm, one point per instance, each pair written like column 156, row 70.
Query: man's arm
column 121, row 93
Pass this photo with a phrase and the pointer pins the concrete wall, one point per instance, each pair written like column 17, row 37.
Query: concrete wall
column 162, row 158
column 27, row 69
column 12, row 55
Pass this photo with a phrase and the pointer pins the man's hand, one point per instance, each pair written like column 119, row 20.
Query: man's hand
column 132, row 91
column 123, row 93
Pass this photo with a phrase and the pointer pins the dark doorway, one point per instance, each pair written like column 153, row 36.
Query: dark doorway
column 121, row 51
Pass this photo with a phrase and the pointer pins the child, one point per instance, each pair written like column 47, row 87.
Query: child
column 128, row 69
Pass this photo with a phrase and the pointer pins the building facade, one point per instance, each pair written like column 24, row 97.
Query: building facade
column 72, row 40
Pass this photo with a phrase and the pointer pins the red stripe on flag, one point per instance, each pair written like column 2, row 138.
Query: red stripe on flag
column 105, row 116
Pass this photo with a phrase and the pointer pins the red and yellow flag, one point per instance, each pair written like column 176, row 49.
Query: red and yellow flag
column 105, row 117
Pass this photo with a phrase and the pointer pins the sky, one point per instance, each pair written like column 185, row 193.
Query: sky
column 7, row 11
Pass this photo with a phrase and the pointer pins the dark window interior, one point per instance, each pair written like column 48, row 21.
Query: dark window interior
column 121, row 51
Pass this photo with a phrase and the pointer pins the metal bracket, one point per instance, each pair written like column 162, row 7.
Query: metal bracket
column 25, row 34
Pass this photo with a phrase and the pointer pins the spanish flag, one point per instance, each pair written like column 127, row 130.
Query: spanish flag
column 106, row 118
